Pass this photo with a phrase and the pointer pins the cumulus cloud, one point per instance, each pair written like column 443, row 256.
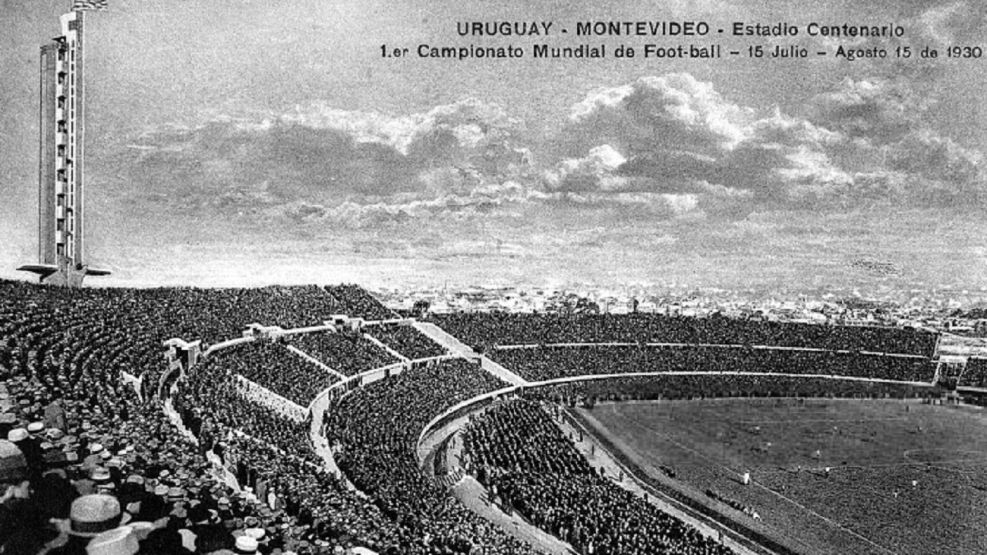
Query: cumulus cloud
column 676, row 135
column 594, row 171
column 880, row 110
column 467, row 132
column 664, row 110
column 667, row 146
column 316, row 156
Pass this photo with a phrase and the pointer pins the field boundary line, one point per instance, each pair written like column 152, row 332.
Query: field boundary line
column 762, row 486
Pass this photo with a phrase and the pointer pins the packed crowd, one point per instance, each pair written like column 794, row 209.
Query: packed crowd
column 491, row 329
column 408, row 341
column 214, row 315
column 83, row 461
column 346, row 353
column 525, row 461
column 975, row 373
column 273, row 457
column 353, row 300
column 270, row 364
column 143, row 318
column 377, row 428
column 544, row 363
column 133, row 483
column 92, row 465
column 323, row 513
column 211, row 404
column 685, row 386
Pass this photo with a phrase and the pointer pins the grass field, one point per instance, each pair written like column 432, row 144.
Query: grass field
column 905, row 477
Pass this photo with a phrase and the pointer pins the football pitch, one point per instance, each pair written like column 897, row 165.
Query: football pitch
column 903, row 476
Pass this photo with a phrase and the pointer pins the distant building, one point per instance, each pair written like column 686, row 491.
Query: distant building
column 61, row 190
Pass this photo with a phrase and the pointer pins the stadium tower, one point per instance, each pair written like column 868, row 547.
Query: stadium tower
column 61, row 181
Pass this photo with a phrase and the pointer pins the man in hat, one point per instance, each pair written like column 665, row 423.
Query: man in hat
column 31, row 449
column 36, row 429
column 89, row 516
column 8, row 421
column 55, row 416
column 22, row 523
column 54, row 494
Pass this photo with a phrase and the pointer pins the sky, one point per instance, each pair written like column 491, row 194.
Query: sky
column 251, row 142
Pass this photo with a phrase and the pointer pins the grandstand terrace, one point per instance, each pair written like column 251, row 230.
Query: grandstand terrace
column 65, row 407
column 516, row 450
column 378, row 428
column 975, row 373
column 546, row 363
column 354, row 301
column 346, row 353
column 693, row 386
column 407, row 341
column 64, row 355
column 499, row 329
column 271, row 365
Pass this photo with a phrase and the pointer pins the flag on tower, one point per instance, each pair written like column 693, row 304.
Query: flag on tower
column 86, row 5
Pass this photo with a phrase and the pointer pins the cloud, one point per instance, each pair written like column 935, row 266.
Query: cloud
column 676, row 135
column 879, row 110
column 318, row 156
column 670, row 109
column 467, row 132
column 662, row 147
column 408, row 207
column 943, row 25
column 594, row 171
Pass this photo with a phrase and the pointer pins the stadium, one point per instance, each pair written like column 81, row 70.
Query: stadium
column 314, row 419
column 319, row 419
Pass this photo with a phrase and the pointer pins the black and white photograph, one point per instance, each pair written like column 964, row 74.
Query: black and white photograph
column 493, row 277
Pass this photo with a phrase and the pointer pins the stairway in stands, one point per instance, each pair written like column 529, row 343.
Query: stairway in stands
column 456, row 346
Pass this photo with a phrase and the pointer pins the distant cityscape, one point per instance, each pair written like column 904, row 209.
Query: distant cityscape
column 961, row 313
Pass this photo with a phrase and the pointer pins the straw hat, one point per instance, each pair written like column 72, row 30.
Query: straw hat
column 17, row 434
column 100, row 474
column 118, row 541
column 93, row 514
column 13, row 464
column 246, row 544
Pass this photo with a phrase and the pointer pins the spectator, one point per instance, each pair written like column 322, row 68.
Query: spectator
column 408, row 341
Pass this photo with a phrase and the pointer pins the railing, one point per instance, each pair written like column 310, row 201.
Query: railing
column 341, row 387
column 298, row 331
column 390, row 322
column 227, row 344
column 310, row 329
